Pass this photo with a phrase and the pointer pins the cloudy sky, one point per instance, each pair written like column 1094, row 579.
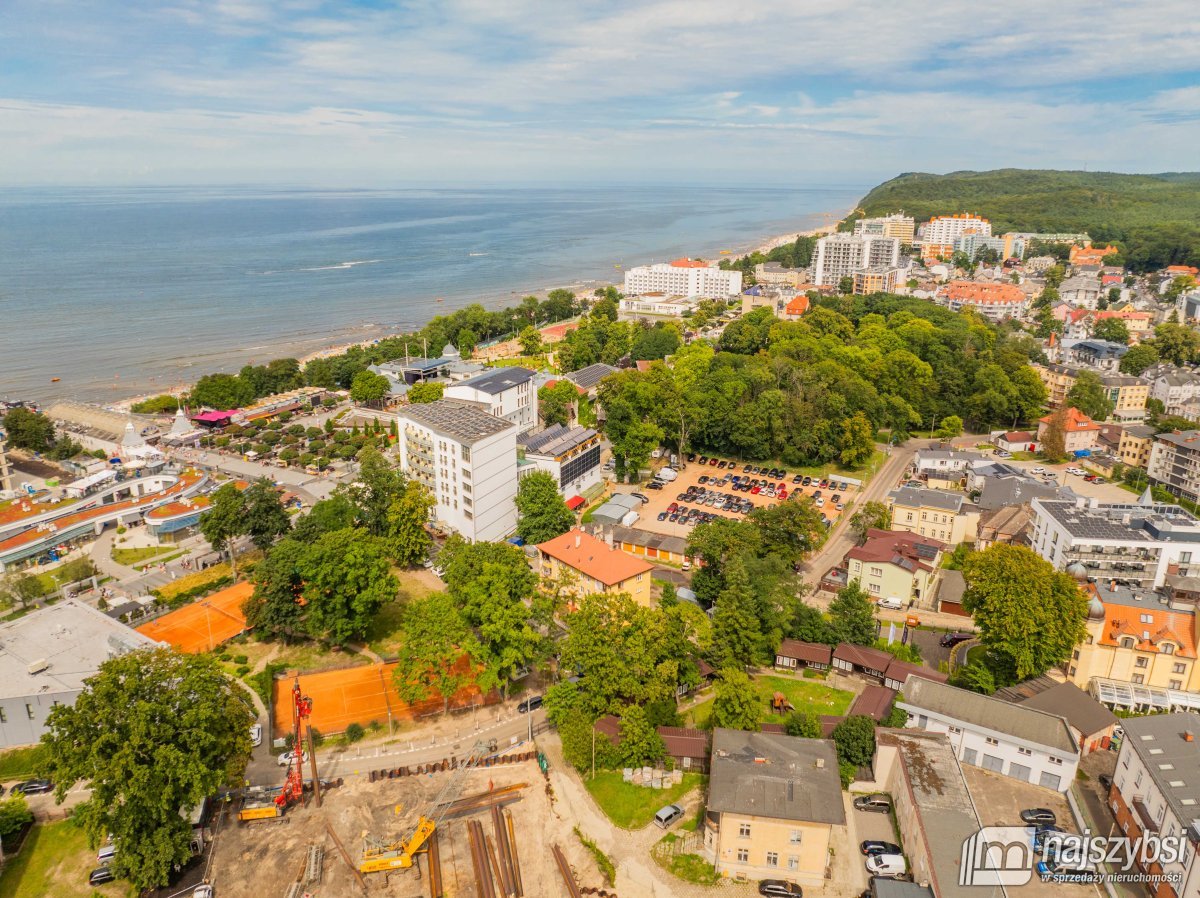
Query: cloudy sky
column 575, row 91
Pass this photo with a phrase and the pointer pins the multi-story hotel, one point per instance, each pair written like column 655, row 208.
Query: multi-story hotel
column 683, row 277
column 898, row 225
column 994, row 301
column 467, row 459
column 1175, row 463
column 571, row 455
column 841, row 255
column 939, row 233
column 507, row 393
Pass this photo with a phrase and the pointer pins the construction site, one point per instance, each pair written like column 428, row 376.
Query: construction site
column 479, row 824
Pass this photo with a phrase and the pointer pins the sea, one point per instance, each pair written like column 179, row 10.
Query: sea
column 111, row 293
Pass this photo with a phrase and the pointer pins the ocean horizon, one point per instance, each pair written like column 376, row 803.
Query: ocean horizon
column 119, row 292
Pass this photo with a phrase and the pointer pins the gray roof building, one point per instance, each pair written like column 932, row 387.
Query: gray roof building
column 1161, row 743
column 591, row 375
column 464, row 421
column 1002, row 492
column 497, row 380
column 1079, row 709
column 556, row 439
column 781, row 777
column 920, row 497
column 1027, row 724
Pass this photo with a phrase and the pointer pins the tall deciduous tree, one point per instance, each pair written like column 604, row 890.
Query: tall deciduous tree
column 369, row 388
column 736, row 705
column 855, row 740
column 430, row 658
column 347, row 579
column 803, row 723
column 531, row 340
column 542, row 513
column 377, row 486
column 857, row 442
column 1089, row 396
column 265, row 517
column 1054, row 436
column 153, row 734
column 407, row 538
column 640, row 742
column 425, row 392
column 275, row 609
column 852, row 616
column 789, row 530
column 871, row 516
column 736, row 635
column 225, row 521
column 949, row 427
column 1030, row 616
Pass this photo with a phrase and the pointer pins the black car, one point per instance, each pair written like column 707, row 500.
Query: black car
column 33, row 787
column 949, row 640
column 691, row 456
column 872, row 847
column 100, row 876
column 778, row 888
column 807, row 481
column 662, row 515
column 1038, row 817
column 641, row 496
column 530, row 704
column 654, row 485
column 1105, row 782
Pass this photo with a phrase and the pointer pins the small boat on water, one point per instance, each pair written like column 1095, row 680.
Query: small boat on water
column 55, row 380
column 439, row 299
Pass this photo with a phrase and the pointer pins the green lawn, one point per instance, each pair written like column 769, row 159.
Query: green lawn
column 383, row 635
column 688, row 867
column 803, row 694
column 130, row 557
column 55, row 860
column 630, row 806
column 18, row 763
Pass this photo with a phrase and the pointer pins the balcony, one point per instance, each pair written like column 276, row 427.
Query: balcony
column 1145, row 818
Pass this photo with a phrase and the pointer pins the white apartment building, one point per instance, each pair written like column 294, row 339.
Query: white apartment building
column 1155, row 791
column 841, row 255
column 1081, row 291
column 571, row 455
column 943, row 230
column 1174, row 387
column 467, row 459
column 898, row 225
column 1134, row 545
column 1013, row 740
column 507, row 393
column 658, row 306
column 683, row 277
column 1175, row 463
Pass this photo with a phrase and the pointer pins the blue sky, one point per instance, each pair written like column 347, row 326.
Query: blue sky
column 517, row 91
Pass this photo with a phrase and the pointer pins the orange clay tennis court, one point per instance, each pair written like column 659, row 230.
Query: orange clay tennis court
column 204, row 624
column 358, row 695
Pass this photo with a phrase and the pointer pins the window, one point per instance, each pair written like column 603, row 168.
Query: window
column 990, row 741
column 1024, row 751
column 743, row 830
column 1138, row 679
column 1057, row 761
column 955, row 730
column 1175, row 684
column 1142, row 662
column 772, row 859
column 466, row 453
column 1178, row 668
column 1167, row 648
column 3, row 716
column 796, row 837
column 873, row 588
column 743, row 856
column 1075, row 655
column 1146, row 618
column 876, row 572
column 793, row 862
column 1127, row 642
column 29, row 710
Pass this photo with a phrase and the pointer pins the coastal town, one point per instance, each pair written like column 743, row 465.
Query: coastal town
column 858, row 565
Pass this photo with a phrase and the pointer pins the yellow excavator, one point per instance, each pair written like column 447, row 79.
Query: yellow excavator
column 379, row 856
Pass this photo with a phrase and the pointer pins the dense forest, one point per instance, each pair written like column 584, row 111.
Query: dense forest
column 1154, row 219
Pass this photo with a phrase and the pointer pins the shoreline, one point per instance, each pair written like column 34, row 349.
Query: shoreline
column 493, row 302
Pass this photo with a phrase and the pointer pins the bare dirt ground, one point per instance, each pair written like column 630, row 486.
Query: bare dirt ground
column 258, row 859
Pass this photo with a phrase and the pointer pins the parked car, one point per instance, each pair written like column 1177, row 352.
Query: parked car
column 530, row 704
column 778, row 888
column 285, row 759
column 256, row 735
column 1039, row 470
column 1045, row 835
column 668, row 815
column 887, row 865
column 33, row 787
column 1038, row 817
column 641, row 496
column 1105, row 782
column 654, row 485
column 874, row 846
column 100, row 876
column 950, row 640
column 203, row 891
column 879, row 802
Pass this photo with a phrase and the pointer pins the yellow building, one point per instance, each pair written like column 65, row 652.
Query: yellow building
column 1128, row 396
column 773, row 801
column 1059, row 379
column 896, row 565
column 1141, row 638
column 595, row 565
column 1136, row 443
column 936, row 514
column 876, row 280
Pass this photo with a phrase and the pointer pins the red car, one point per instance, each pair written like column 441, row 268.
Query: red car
column 713, row 461
column 782, row 494
column 755, row 489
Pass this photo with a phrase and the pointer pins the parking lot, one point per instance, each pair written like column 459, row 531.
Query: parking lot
column 1000, row 800
column 1098, row 489
column 690, row 476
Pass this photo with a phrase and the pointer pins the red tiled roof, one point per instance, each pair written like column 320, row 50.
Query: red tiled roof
column 798, row 306
column 688, row 263
column 894, row 547
column 594, row 558
column 1076, row 421
column 874, row 702
column 975, row 292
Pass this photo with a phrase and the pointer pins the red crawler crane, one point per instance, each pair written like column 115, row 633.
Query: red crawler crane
column 293, row 788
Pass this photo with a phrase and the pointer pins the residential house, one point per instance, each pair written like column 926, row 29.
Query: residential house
column 796, row 308
column 1155, row 792
column 1090, row 256
column 945, row 467
column 1059, row 381
column 793, row 654
column 1009, row 525
column 467, row 459
column 588, row 379
column 571, row 455
column 1080, row 433
column 773, row 803
column 1137, row 544
column 1137, row 441
column 880, row 279
column 1080, row 291
column 880, row 665
column 775, row 273
column 1023, row 743
column 1092, row 724
column 507, row 393
column 1174, row 463
column 1128, row 396
column 934, row 811
column 1139, row 324
column 896, row 565
column 1138, row 636
column 994, row 301
column 1016, row 441
column 1099, row 355
column 595, row 566
column 1171, row 385
column 936, row 514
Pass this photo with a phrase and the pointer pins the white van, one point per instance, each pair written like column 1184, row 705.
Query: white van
column 666, row 475
column 891, row 603
column 668, row 815
column 106, row 853
column 887, row 865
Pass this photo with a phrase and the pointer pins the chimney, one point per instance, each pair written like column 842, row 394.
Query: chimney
column 820, row 763
column 1188, row 736
column 578, row 539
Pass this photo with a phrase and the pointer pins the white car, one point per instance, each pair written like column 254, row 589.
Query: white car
column 256, row 735
column 1039, row 470
column 887, row 865
column 285, row 759
column 204, row 891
